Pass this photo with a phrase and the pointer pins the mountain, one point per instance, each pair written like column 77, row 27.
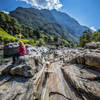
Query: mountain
column 69, row 24
column 12, row 31
column 37, row 19
column 51, row 22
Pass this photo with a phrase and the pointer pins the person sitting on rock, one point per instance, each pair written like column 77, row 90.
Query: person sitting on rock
column 21, row 51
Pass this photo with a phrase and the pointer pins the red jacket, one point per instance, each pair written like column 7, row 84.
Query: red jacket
column 21, row 50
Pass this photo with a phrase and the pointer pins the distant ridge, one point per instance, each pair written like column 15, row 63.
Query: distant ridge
column 52, row 22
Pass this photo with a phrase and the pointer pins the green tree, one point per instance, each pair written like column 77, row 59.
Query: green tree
column 89, row 37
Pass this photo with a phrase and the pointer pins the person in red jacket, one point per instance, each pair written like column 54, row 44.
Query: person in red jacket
column 21, row 51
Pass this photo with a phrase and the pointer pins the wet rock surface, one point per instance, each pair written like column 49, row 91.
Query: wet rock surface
column 65, row 74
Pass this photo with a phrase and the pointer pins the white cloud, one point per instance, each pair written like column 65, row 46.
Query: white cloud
column 45, row 4
column 5, row 12
column 93, row 28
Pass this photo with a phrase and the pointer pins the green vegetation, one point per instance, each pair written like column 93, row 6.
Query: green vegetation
column 12, row 27
column 6, row 38
column 37, row 20
column 12, row 31
column 65, row 43
column 9, row 24
column 89, row 37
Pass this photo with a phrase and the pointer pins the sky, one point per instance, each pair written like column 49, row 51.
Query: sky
column 86, row 12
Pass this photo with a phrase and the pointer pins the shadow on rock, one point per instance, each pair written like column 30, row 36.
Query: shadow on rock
column 7, row 70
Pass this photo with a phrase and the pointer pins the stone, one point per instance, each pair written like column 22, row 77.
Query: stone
column 25, row 71
column 84, row 81
column 10, row 49
column 93, row 59
column 17, row 81
column 65, row 74
column 98, row 43
column 51, row 84
column 26, row 66
column 92, row 45
column 84, row 57
column 17, row 88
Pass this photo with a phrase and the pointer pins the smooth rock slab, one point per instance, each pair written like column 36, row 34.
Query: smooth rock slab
column 93, row 59
column 84, row 80
column 55, row 87
column 17, row 89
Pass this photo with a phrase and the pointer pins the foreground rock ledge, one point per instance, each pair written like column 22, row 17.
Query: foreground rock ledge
column 84, row 80
column 26, row 66
column 17, row 81
column 54, row 77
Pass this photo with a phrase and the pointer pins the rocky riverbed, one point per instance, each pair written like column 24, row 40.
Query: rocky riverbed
column 64, row 74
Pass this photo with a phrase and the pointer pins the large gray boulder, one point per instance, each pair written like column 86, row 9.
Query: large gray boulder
column 93, row 59
column 25, row 71
column 26, row 66
column 37, row 51
column 92, row 45
column 10, row 49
